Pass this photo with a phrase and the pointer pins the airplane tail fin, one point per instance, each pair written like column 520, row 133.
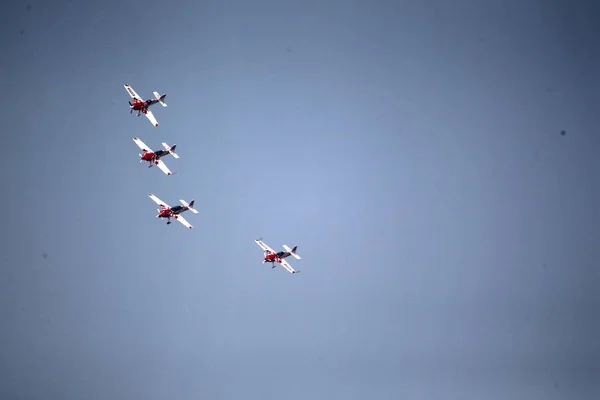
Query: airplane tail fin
column 292, row 251
column 190, row 206
column 171, row 149
column 160, row 98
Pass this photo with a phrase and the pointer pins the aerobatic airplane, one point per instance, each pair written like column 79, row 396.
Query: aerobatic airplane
column 154, row 157
column 168, row 212
column 141, row 106
column 278, row 257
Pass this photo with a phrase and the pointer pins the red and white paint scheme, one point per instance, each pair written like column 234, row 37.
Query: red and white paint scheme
column 278, row 257
column 141, row 106
column 154, row 157
column 168, row 212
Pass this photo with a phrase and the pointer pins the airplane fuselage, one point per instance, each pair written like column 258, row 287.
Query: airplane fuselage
column 154, row 155
column 276, row 257
column 165, row 213
column 178, row 209
column 143, row 105
column 169, row 212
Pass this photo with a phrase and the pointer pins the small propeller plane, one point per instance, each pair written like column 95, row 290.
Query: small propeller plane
column 278, row 257
column 168, row 212
column 141, row 106
column 154, row 157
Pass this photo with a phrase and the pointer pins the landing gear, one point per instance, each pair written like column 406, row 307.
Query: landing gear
column 168, row 222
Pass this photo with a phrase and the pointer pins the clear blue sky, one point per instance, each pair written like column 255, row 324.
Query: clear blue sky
column 411, row 149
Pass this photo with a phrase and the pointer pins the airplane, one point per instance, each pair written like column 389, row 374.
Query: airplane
column 141, row 106
column 278, row 257
column 168, row 212
column 154, row 157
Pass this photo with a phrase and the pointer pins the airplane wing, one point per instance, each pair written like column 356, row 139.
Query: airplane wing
column 183, row 221
column 287, row 266
column 141, row 144
column 263, row 246
column 160, row 164
column 151, row 118
column 158, row 201
column 132, row 92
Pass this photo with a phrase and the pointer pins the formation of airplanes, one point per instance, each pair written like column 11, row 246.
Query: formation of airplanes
column 165, row 211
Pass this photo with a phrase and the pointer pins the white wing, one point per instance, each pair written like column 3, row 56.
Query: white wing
column 183, row 221
column 287, row 266
column 163, row 167
column 142, row 145
column 151, row 118
column 158, row 201
column 263, row 246
column 132, row 92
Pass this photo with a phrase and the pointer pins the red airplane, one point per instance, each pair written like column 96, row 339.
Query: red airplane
column 278, row 257
column 168, row 212
column 154, row 157
column 141, row 106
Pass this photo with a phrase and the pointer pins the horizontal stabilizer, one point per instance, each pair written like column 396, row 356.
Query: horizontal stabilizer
column 292, row 251
column 171, row 149
column 160, row 98
column 190, row 206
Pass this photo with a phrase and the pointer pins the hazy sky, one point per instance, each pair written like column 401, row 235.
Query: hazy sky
column 449, row 233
